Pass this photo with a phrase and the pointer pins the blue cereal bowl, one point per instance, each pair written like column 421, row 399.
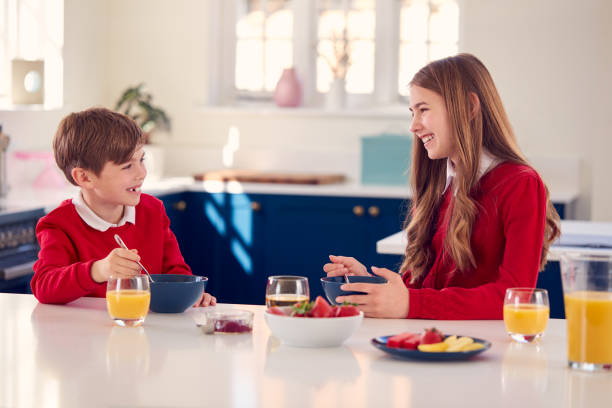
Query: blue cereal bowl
column 175, row 293
column 331, row 285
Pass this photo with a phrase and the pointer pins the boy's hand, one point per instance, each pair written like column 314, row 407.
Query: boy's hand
column 121, row 263
column 206, row 300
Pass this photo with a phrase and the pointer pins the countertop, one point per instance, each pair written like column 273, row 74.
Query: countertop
column 72, row 356
column 576, row 236
column 28, row 198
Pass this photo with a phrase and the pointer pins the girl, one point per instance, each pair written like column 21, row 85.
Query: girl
column 481, row 219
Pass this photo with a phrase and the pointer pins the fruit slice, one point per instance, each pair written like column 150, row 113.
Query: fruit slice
column 396, row 341
column 460, row 344
column 433, row 347
column 320, row 309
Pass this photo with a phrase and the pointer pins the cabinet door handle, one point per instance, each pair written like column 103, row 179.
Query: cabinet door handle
column 255, row 206
column 374, row 211
column 179, row 205
column 358, row 210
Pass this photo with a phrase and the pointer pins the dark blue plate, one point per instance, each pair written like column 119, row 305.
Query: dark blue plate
column 381, row 343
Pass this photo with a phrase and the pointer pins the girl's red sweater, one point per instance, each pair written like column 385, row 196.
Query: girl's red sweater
column 507, row 239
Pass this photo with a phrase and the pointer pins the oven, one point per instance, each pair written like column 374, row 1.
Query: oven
column 18, row 248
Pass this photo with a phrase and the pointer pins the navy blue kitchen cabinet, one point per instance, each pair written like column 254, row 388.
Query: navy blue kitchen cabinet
column 302, row 231
column 238, row 240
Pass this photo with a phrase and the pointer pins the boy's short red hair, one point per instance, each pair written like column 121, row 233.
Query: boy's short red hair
column 93, row 137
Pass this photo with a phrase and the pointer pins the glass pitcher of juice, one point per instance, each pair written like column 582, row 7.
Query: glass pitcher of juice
column 587, row 290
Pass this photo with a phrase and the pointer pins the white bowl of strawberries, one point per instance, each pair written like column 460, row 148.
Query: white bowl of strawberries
column 313, row 324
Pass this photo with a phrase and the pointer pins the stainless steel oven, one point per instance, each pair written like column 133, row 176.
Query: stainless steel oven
column 18, row 248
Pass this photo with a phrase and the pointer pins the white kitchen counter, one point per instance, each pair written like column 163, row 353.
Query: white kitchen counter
column 576, row 236
column 28, row 198
column 72, row 356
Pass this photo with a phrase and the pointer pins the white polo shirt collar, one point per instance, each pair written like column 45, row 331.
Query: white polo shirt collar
column 97, row 223
column 487, row 162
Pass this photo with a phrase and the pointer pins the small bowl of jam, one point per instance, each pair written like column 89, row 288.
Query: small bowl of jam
column 229, row 321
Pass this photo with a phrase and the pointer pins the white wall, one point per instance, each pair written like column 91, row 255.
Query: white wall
column 85, row 79
column 550, row 59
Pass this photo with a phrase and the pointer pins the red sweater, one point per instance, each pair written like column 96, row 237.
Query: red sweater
column 68, row 248
column 507, row 239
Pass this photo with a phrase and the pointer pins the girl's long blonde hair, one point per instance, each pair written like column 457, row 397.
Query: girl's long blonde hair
column 455, row 78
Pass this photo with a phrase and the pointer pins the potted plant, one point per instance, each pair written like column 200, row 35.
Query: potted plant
column 137, row 103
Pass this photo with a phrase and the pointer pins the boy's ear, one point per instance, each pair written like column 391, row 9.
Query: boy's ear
column 82, row 177
column 474, row 104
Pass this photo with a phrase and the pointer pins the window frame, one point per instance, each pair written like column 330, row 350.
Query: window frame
column 222, row 23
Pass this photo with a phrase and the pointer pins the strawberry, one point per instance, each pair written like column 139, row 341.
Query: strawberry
column 431, row 336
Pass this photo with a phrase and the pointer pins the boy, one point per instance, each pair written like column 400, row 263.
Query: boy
column 101, row 152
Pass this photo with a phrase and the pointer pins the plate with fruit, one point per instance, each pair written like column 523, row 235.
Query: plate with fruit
column 431, row 345
column 313, row 324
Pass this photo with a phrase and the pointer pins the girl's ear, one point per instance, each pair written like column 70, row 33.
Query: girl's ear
column 474, row 104
column 82, row 177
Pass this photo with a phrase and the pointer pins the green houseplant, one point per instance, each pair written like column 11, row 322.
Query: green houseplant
column 137, row 103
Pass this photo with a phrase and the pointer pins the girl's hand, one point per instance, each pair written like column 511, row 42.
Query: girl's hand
column 389, row 300
column 121, row 263
column 206, row 300
column 344, row 265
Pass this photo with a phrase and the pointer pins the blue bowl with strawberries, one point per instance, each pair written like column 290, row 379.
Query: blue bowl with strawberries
column 331, row 285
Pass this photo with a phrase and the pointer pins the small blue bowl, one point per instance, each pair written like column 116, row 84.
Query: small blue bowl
column 173, row 293
column 331, row 285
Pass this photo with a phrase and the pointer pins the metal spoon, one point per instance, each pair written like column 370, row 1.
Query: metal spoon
column 122, row 245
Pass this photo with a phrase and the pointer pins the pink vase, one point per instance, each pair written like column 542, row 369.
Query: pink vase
column 288, row 92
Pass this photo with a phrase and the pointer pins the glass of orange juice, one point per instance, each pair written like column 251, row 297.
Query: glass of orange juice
column 526, row 312
column 127, row 300
column 587, row 289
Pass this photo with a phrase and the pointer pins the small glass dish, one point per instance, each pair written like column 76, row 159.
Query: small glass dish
column 233, row 321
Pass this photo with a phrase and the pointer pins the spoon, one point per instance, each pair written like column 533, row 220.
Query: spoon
column 122, row 245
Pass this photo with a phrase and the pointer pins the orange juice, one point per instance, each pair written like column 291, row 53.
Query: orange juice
column 589, row 327
column 525, row 318
column 128, row 304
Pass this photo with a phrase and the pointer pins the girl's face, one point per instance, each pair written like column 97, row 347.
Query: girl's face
column 430, row 123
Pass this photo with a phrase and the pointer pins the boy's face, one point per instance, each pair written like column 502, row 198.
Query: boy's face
column 120, row 184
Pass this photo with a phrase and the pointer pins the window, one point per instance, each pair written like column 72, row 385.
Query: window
column 32, row 30
column 375, row 46
column 429, row 30
column 264, row 46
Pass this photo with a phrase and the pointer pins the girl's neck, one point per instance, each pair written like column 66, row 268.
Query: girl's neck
column 111, row 213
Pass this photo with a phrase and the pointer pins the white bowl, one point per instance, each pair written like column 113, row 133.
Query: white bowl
column 313, row 331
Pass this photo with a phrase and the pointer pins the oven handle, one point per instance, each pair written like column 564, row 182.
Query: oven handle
column 17, row 271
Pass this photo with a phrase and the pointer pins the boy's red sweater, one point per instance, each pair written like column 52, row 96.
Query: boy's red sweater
column 507, row 239
column 68, row 248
